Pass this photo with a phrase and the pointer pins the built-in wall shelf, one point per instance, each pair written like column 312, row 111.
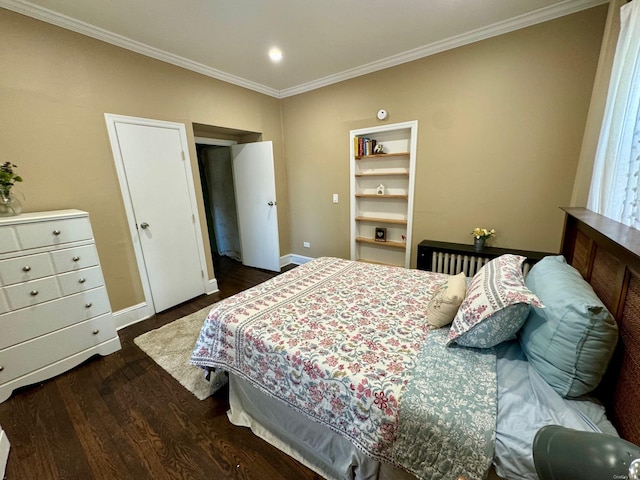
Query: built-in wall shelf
column 382, row 155
column 375, row 195
column 383, row 174
column 391, row 244
column 381, row 220
column 382, row 190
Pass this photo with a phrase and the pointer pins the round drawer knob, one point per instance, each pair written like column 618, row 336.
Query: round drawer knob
column 34, row 293
column 82, row 280
column 26, row 268
column 56, row 232
column 76, row 258
column 88, row 305
column 1, row 368
column 96, row 331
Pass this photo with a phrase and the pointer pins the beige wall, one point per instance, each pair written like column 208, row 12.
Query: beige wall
column 500, row 128
column 55, row 88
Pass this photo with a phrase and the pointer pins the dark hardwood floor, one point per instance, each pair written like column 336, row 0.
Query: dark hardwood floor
column 124, row 417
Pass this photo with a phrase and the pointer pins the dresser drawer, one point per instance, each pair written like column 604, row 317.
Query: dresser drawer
column 74, row 282
column 30, row 322
column 31, row 293
column 76, row 258
column 8, row 240
column 53, row 232
column 29, row 356
column 24, row 269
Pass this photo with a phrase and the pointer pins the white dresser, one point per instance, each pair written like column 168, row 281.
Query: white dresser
column 54, row 308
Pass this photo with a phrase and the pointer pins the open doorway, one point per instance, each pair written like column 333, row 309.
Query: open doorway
column 216, row 175
column 238, row 184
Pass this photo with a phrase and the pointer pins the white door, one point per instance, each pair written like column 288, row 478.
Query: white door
column 255, row 186
column 155, row 164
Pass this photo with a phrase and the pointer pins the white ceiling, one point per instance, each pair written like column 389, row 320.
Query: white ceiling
column 323, row 41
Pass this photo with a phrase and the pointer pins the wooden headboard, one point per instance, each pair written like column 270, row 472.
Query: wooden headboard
column 607, row 254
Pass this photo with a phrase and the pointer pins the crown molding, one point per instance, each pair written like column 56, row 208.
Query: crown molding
column 526, row 20
column 68, row 23
column 532, row 18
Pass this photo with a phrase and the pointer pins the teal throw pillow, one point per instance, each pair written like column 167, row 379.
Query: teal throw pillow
column 570, row 342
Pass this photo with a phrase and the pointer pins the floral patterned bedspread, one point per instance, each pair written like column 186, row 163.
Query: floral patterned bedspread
column 347, row 344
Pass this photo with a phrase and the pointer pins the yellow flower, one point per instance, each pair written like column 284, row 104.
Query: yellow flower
column 483, row 233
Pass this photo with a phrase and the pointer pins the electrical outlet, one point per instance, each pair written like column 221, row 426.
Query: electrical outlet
column 335, row 198
column 306, row 245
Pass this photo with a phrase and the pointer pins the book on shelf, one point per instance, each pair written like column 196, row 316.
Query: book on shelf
column 363, row 146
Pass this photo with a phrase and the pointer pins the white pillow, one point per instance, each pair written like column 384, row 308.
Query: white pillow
column 446, row 301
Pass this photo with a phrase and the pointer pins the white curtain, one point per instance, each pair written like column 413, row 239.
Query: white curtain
column 616, row 172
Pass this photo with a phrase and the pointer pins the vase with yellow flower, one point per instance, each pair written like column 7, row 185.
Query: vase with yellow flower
column 480, row 237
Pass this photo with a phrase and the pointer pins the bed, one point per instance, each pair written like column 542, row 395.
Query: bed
column 336, row 363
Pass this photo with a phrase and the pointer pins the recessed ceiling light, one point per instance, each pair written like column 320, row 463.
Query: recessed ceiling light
column 275, row 54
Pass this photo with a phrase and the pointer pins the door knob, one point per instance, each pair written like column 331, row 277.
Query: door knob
column 271, row 204
column 144, row 225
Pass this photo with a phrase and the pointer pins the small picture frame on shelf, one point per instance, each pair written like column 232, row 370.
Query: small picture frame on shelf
column 381, row 234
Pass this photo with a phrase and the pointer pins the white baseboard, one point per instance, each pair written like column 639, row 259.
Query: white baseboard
column 212, row 287
column 136, row 313
column 4, row 452
column 130, row 315
column 293, row 258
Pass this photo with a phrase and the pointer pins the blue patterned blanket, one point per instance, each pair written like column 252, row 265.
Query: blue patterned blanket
column 347, row 344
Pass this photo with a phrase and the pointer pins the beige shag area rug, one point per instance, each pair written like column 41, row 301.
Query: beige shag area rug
column 170, row 347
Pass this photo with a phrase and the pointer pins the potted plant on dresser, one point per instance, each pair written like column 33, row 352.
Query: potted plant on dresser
column 9, row 204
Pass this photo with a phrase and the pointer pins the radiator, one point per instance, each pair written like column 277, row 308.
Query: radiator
column 452, row 263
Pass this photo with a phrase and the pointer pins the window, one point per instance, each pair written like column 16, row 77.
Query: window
column 616, row 174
